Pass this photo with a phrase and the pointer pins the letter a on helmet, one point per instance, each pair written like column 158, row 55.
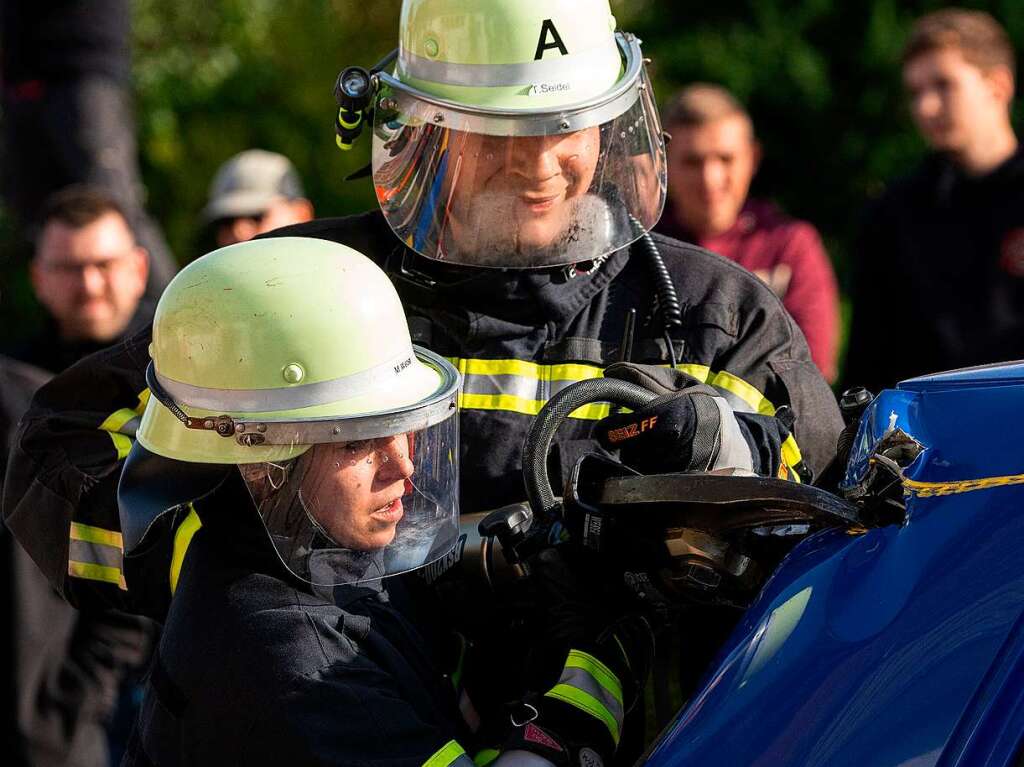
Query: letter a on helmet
column 516, row 133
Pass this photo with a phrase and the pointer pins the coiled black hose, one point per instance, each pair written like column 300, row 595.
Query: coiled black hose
column 664, row 289
column 542, row 432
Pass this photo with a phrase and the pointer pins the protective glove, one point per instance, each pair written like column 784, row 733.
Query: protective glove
column 689, row 426
column 679, row 430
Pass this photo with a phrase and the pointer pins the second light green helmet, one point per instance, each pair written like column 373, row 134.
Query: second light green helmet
column 516, row 133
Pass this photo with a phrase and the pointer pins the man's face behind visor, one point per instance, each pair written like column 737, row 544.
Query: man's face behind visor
column 539, row 198
column 520, row 195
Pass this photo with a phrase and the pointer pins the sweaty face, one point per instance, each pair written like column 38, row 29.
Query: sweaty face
column 710, row 168
column 354, row 491
column 522, row 194
column 954, row 103
column 90, row 279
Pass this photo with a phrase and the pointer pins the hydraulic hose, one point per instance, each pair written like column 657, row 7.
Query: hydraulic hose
column 542, row 432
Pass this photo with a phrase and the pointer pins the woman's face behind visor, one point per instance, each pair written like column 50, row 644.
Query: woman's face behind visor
column 354, row 491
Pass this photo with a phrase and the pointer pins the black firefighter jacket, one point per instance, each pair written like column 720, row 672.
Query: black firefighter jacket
column 516, row 336
column 252, row 670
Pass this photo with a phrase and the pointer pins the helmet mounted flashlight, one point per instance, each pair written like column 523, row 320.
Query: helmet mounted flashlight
column 352, row 92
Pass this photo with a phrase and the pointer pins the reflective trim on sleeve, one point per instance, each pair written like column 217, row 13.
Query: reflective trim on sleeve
column 91, row 572
column 95, row 554
column 451, row 753
column 182, row 539
column 590, row 686
column 519, row 386
column 485, row 756
column 122, row 424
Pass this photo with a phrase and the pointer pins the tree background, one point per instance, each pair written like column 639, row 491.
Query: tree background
column 820, row 78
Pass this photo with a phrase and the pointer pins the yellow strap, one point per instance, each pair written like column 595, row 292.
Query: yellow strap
column 587, row 703
column 932, row 489
column 182, row 538
column 600, row 672
column 93, row 572
column 90, row 534
column 445, row 755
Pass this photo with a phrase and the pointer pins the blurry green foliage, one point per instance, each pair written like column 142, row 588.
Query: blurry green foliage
column 821, row 79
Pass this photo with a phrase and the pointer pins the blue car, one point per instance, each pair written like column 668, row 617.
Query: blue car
column 898, row 643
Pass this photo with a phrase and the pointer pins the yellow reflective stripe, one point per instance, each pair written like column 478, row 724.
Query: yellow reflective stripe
column 534, row 370
column 446, row 755
column 595, row 411
column 90, row 534
column 586, row 703
column 114, row 422
column 122, row 444
column 791, row 455
column 604, row 675
column 182, row 538
column 92, row 572
column 700, row 372
column 117, row 419
column 485, row 756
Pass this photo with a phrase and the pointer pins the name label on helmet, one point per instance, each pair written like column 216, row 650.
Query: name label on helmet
column 403, row 365
column 543, row 44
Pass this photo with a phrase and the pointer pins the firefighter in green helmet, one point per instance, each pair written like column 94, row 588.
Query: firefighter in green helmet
column 318, row 448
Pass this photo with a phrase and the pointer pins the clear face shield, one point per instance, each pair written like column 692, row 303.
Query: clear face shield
column 356, row 511
column 517, row 189
column 368, row 493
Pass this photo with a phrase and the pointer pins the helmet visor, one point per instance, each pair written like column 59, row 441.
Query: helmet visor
column 518, row 192
column 353, row 512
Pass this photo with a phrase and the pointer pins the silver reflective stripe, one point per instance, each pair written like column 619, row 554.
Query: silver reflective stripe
column 585, row 681
column 734, row 452
column 499, row 75
column 516, row 386
column 128, row 428
column 92, row 553
column 291, row 397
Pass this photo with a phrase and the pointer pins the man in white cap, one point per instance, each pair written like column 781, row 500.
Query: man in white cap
column 254, row 192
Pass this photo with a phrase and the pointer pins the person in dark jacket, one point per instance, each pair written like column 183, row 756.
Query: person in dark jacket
column 321, row 460
column 939, row 280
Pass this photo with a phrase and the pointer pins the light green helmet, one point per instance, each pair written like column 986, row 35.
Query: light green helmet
column 291, row 358
column 515, row 133
column 509, row 54
column 269, row 346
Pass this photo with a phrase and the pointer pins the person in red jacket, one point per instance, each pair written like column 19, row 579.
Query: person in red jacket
column 713, row 157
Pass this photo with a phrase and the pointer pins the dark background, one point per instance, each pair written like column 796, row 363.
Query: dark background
column 820, row 78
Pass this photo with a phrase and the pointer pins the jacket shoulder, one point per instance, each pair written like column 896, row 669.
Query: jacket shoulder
column 367, row 232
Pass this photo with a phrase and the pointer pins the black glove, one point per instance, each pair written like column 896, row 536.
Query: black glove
column 679, row 430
